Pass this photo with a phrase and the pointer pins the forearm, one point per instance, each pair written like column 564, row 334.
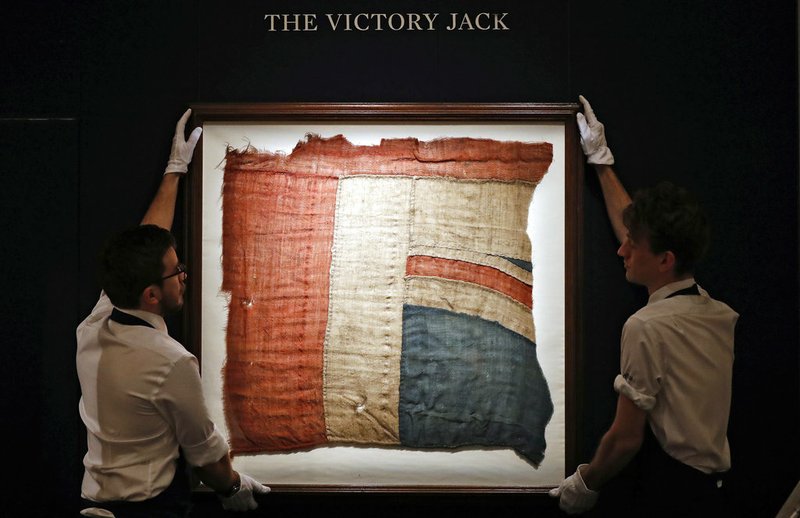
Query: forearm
column 612, row 455
column 219, row 475
column 161, row 211
column 615, row 196
column 618, row 446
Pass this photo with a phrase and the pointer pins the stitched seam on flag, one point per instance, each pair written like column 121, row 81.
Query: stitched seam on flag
column 484, row 259
column 467, row 271
column 451, row 179
column 412, row 209
column 250, row 169
column 326, row 341
column 425, row 291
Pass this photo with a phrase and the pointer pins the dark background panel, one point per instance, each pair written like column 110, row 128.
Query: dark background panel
column 40, row 72
column 706, row 97
column 39, row 265
column 138, row 68
column 241, row 60
column 704, row 94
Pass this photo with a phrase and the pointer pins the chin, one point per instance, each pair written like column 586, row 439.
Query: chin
column 632, row 279
column 171, row 310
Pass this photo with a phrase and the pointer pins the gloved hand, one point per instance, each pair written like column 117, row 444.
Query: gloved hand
column 243, row 499
column 182, row 150
column 593, row 136
column 574, row 496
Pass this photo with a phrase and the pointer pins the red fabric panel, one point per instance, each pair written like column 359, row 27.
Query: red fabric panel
column 486, row 276
column 277, row 236
column 468, row 158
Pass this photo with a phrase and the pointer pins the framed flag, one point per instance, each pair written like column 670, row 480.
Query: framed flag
column 385, row 296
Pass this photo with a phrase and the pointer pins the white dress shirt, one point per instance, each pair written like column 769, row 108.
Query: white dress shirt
column 141, row 400
column 677, row 364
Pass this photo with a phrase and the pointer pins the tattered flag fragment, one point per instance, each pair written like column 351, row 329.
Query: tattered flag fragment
column 381, row 295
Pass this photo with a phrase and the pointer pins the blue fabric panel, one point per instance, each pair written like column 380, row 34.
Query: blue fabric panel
column 466, row 381
column 525, row 265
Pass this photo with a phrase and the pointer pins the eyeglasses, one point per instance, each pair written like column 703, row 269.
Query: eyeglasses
column 180, row 269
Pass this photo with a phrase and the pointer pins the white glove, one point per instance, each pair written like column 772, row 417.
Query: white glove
column 243, row 499
column 593, row 136
column 574, row 496
column 182, row 150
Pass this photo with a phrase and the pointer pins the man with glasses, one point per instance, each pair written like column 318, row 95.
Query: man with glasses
column 142, row 402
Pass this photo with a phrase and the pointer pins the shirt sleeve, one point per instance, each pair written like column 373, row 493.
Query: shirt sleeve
column 182, row 404
column 641, row 365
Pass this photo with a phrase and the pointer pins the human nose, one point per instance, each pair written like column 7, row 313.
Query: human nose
column 622, row 251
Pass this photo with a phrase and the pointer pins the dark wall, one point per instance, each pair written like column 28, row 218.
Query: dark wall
column 700, row 93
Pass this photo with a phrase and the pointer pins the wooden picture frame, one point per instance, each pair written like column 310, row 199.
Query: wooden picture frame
column 438, row 116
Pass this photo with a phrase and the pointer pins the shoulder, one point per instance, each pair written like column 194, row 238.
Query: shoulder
column 101, row 310
column 170, row 349
column 148, row 345
column 646, row 326
column 665, row 317
column 692, row 306
column 638, row 332
column 717, row 306
column 648, row 316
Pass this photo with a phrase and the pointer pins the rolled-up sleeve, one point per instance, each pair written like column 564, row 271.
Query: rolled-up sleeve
column 641, row 365
column 183, row 405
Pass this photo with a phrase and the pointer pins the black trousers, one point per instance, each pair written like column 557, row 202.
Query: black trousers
column 656, row 485
column 173, row 502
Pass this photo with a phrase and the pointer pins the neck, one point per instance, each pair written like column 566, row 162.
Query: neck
column 660, row 283
column 154, row 309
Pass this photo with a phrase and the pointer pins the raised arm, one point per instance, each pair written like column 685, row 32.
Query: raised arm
column 616, row 198
column 161, row 211
column 593, row 141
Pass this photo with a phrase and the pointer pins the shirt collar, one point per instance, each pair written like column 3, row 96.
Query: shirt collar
column 151, row 318
column 664, row 291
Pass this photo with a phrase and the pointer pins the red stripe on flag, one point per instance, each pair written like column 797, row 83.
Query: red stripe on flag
column 486, row 276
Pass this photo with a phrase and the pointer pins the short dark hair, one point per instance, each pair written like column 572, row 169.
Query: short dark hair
column 132, row 260
column 670, row 218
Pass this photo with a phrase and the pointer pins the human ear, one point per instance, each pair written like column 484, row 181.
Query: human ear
column 668, row 261
column 151, row 295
